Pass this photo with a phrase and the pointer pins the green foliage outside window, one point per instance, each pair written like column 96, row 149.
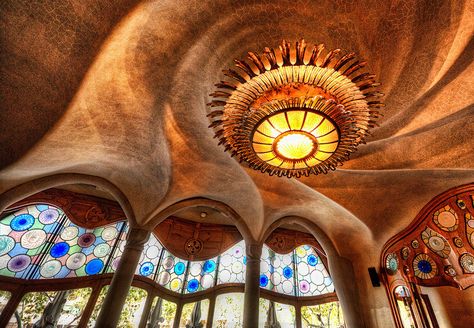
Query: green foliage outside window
column 328, row 315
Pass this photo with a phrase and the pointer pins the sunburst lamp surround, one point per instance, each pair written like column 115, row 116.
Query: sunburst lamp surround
column 295, row 111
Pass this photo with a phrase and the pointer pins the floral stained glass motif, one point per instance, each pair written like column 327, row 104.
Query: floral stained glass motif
column 232, row 265
column 25, row 236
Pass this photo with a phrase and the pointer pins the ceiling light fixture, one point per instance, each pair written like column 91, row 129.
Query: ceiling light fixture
column 294, row 111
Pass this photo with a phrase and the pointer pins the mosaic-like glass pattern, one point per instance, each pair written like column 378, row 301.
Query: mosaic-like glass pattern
column 172, row 272
column 40, row 242
column 25, row 237
column 232, row 265
column 79, row 252
column 201, row 275
column 299, row 273
column 150, row 257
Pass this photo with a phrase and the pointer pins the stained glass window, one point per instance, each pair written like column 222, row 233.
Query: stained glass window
column 172, row 272
column 79, row 252
column 312, row 277
column 299, row 273
column 25, row 236
column 150, row 257
column 232, row 265
column 277, row 271
column 201, row 275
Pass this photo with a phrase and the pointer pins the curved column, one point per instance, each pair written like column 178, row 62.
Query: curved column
column 112, row 307
column 252, row 285
column 343, row 276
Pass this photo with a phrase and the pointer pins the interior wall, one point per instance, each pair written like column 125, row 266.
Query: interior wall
column 453, row 308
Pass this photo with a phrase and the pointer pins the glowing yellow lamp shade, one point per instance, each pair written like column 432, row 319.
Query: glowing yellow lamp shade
column 295, row 139
column 294, row 145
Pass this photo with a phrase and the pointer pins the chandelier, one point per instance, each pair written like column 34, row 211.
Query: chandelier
column 295, row 111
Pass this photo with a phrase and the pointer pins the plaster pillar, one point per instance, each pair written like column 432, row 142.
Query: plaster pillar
column 343, row 276
column 252, row 286
column 112, row 307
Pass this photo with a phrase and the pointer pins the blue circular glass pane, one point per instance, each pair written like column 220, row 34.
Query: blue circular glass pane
column 179, row 268
column 209, row 266
column 22, row 222
column 287, row 272
column 263, row 280
column 94, row 266
column 245, row 260
column 424, row 266
column 312, row 260
column 59, row 249
column 146, row 269
column 193, row 285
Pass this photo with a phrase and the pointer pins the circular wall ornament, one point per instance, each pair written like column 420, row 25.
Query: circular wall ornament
column 458, row 242
column 436, row 242
column 467, row 262
column 424, row 266
column 295, row 111
column 415, row 244
column 446, row 219
column 449, row 270
column 391, row 263
column 405, row 252
column 193, row 246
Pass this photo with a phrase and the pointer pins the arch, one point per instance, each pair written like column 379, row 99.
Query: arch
column 29, row 188
column 207, row 202
column 311, row 227
column 340, row 268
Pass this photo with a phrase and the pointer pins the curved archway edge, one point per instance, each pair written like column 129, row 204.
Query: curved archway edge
column 341, row 269
column 206, row 202
column 29, row 188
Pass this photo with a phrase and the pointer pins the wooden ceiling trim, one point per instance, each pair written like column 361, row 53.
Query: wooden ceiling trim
column 86, row 211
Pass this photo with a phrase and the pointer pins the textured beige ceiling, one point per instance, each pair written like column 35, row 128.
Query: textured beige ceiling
column 117, row 89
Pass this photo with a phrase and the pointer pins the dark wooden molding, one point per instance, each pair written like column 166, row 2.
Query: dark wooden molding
column 196, row 241
column 186, row 239
column 283, row 241
column 84, row 210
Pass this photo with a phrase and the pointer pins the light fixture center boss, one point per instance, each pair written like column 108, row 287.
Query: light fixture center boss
column 295, row 111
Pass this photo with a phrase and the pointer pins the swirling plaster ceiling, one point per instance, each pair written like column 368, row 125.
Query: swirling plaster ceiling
column 117, row 89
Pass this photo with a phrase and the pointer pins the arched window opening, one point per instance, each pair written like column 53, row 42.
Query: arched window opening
column 47, row 257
